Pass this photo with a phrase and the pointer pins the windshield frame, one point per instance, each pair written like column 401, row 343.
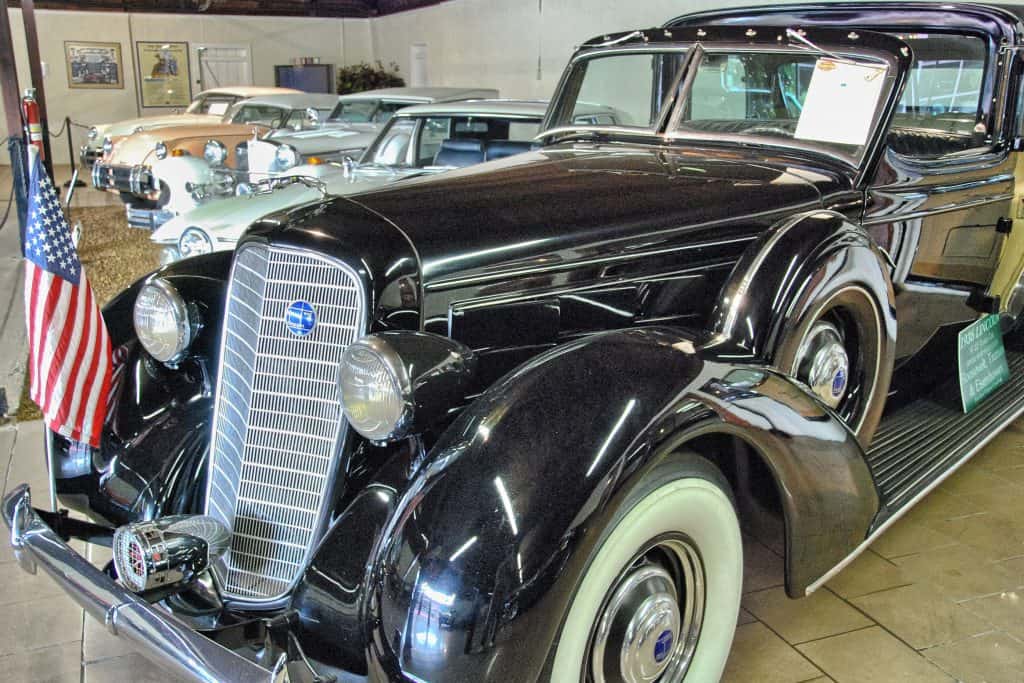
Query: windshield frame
column 666, row 128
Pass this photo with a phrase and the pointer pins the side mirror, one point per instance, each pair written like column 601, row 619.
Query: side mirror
column 349, row 165
column 313, row 116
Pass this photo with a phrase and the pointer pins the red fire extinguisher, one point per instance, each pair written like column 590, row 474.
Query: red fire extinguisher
column 33, row 125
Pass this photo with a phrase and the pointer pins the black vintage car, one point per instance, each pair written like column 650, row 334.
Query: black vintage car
column 506, row 423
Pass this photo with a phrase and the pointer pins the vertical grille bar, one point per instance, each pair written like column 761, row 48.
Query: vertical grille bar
column 278, row 427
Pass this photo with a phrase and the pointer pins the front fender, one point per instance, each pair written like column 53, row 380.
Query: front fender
column 178, row 174
column 156, row 433
column 484, row 552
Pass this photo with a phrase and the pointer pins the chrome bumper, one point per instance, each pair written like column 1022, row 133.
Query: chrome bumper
column 136, row 180
column 158, row 635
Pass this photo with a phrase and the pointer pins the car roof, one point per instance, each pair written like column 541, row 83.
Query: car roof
column 1004, row 21
column 420, row 94
column 494, row 107
column 299, row 100
column 249, row 91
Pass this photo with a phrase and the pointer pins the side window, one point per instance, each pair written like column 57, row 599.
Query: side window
column 941, row 112
column 392, row 148
column 435, row 130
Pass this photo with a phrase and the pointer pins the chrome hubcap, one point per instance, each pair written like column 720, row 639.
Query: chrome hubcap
column 822, row 362
column 649, row 626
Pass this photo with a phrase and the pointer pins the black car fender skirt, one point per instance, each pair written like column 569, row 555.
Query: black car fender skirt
column 486, row 546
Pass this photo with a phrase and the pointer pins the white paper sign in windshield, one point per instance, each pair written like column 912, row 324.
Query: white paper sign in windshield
column 218, row 108
column 841, row 102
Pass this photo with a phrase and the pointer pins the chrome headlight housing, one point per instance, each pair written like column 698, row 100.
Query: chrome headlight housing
column 162, row 321
column 394, row 384
column 94, row 133
column 286, row 157
column 215, row 152
column 193, row 242
column 160, row 150
column 108, row 146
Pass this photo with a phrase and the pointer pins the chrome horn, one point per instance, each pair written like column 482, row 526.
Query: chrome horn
column 167, row 552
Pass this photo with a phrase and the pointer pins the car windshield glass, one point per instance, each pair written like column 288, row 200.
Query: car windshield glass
column 299, row 119
column 259, row 114
column 354, row 112
column 215, row 105
column 784, row 97
column 630, row 87
column 491, row 132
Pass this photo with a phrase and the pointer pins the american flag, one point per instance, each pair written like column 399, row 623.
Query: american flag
column 69, row 348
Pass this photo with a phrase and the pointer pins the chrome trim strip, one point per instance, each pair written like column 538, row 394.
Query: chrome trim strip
column 994, row 431
column 945, row 208
column 158, row 636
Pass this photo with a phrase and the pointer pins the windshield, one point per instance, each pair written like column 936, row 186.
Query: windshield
column 782, row 96
column 259, row 114
column 421, row 142
column 215, row 105
column 299, row 119
column 354, row 112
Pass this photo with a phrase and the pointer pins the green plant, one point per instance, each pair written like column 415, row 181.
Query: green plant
column 366, row 76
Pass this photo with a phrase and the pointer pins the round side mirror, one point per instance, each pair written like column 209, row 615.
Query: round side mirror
column 349, row 165
column 313, row 116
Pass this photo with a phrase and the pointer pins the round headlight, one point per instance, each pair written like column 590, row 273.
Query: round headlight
column 160, row 150
column 161, row 321
column 286, row 157
column 108, row 146
column 194, row 242
column 371, row 389
column 94, row 133
column 215, row 153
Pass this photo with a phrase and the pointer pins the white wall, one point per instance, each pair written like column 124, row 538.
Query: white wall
column 272, row 40
column 517, row 46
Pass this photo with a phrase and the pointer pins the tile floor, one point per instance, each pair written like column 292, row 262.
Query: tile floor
column 940, row 597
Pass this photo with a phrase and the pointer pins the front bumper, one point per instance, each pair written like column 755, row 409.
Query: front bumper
column 159, row 636
column 90, row 155
column 147, row 219
column 137, row 180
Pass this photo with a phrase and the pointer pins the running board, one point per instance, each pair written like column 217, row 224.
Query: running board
column 922, row 443
column 924, row 438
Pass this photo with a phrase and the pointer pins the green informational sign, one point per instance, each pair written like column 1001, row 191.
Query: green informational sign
column 982, row 361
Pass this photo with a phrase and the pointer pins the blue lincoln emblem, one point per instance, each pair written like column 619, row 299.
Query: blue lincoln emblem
column 838, row 383
column 663, row 646
column 300, row 317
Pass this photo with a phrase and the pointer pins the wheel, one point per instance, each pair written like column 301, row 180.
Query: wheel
column 661, row 593
column 837, row 348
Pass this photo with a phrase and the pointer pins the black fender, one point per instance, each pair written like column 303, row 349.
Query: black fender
column 156, row 435
column 780, row 274
column 484, row 552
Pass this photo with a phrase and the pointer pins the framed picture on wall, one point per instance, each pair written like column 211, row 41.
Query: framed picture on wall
column 164, row 78
column 93, row 65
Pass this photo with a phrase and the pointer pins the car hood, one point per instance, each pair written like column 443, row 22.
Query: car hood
column 135, row 149
column 569, row 200
column 226, row 219
column 129, row 126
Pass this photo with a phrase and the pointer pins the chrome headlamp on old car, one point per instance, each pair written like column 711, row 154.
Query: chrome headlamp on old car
column 168, row 551
column 94, row 133
column 397, row 383
column 108, row 147
column 160, row 150
column 193, row 242
column 162, row 321
column 215, row 152
column 286, row 157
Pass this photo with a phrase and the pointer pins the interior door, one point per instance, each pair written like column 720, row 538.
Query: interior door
column 221, row 66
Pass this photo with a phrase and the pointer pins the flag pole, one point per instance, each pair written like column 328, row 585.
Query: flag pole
column 48, row 441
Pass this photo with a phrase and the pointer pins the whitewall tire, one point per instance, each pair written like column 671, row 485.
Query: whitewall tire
column 677, row 540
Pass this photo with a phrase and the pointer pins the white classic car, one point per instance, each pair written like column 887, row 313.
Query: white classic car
column 418, row 141
column 349, row 127
column 208, row 107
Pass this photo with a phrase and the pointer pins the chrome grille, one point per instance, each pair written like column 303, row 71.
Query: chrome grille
column 278, row 427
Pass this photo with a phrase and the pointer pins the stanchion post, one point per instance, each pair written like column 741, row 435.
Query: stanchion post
column 72, row 157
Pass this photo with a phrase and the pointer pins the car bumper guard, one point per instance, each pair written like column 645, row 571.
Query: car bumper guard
column 158, row 635
column 137, row 180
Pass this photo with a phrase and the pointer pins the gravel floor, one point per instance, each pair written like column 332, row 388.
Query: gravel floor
column 114, row 256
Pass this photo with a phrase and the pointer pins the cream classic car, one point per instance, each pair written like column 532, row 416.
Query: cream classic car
column 208, row 107
column 417, row 141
